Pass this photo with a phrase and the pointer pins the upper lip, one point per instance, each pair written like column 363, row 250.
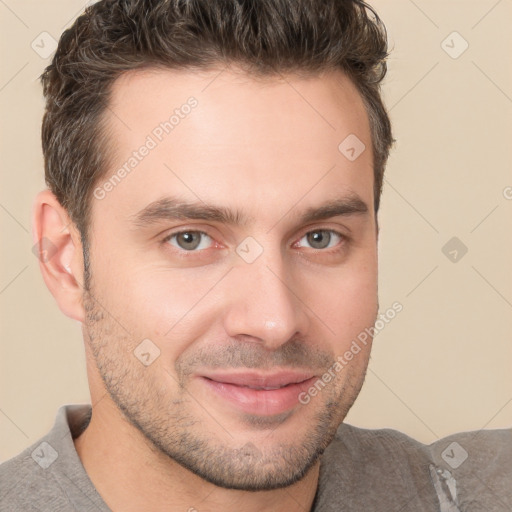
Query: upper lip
column 261, row 380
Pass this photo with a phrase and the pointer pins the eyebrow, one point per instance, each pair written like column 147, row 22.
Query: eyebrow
column 171, row 208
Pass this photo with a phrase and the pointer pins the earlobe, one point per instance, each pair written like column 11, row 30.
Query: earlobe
column 57, row 245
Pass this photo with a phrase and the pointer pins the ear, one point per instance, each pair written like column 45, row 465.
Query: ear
column 58, row 246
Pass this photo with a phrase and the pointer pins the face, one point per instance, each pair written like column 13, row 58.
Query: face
column 233, row 264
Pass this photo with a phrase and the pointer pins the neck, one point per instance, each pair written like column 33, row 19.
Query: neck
column 131, row 475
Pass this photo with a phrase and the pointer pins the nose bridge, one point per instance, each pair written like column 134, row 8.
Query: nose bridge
column 263, row 303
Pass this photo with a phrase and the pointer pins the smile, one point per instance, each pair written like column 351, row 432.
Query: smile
column 256, row 393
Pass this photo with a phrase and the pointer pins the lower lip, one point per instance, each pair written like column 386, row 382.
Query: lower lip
column 259, row 401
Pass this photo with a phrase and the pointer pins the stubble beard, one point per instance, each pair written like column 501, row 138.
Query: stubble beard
column 142, row 395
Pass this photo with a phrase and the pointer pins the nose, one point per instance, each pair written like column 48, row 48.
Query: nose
column 264, row 305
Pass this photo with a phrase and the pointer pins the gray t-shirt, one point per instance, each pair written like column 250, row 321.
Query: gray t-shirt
column 361, row 471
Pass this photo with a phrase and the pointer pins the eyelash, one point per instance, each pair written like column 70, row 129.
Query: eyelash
column 185, row 253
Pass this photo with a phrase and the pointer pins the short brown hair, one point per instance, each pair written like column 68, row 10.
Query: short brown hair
column 263, row 37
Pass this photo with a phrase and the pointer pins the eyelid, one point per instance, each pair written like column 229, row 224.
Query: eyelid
column 342, row 236
column 180, row 231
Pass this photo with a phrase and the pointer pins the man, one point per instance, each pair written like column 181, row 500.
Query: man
column 214, row 173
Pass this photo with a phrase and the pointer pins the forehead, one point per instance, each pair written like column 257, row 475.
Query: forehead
column 223, row 136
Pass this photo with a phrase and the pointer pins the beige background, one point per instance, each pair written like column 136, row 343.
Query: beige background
column 444, row 363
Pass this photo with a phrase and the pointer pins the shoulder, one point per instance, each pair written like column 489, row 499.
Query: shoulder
column 376, row 469
column 23, row 478
column 481, row 464
column 384, row 469
column 477, row 447
column 377, row 445
column 48, row 475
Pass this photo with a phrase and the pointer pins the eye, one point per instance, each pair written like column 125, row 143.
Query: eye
column 322, row 238
column 189, row 240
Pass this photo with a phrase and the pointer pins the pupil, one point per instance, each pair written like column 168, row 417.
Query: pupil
column 319, row 239
column 188, row 240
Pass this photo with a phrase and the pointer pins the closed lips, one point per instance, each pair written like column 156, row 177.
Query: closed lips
column 260, row 381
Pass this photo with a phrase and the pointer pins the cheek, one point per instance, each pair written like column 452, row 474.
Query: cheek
column 172, row 307
column 165, row 306
column 348, row 304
